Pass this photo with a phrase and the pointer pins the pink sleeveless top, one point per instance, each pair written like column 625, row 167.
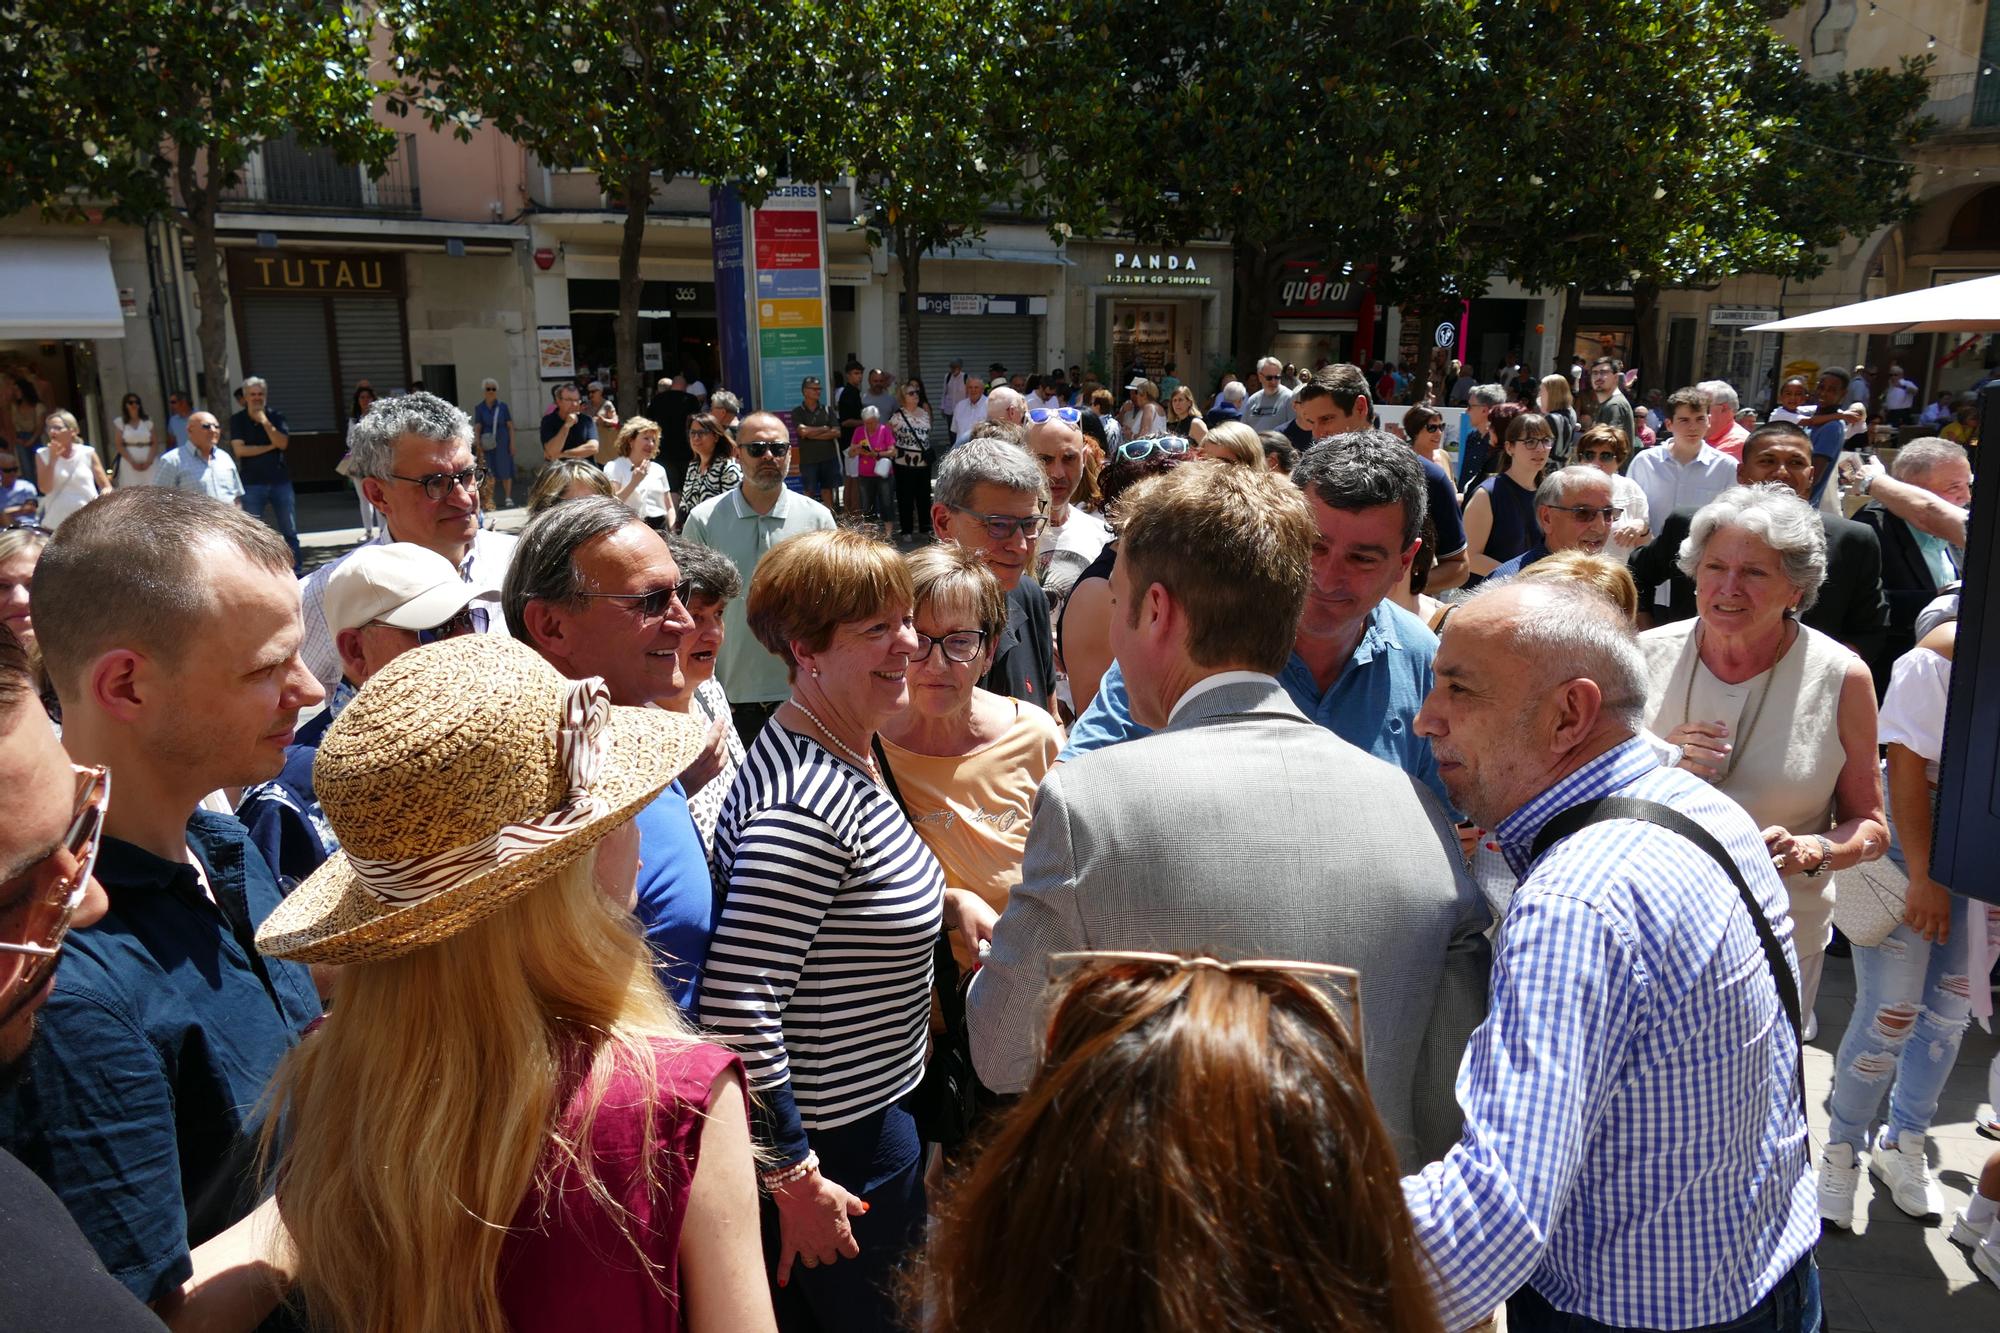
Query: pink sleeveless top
column 568, row 1265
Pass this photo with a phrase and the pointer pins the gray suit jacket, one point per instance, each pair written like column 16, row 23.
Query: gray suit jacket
column 1245, row 830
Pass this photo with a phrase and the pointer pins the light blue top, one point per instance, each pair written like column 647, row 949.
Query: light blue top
column 748, row 673
column 184, row 469
column 1371, row 705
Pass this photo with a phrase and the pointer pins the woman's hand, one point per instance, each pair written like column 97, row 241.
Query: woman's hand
column 1927, row 909
column 1782, row 847
column 813, row 1225
column 708, row 763
column 1704, row 748
column 968, row 914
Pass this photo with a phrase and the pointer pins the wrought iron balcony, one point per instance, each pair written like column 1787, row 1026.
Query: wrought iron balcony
column 285, row 176
column 1969, row 99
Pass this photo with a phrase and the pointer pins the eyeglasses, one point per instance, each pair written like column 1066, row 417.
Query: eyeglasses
column 694, row 431
column 961, row 646
column 764, row 448
column 1037, row 415
column 1341, row 986
column 1001, row 527
column 650, row 605
column 30, row 525
column 10, row 470
column 1134, row 450
column 472, row 620
column 1437, row 426
column 1584, row 513
column 1536, row 441
column 437, row 485
column 1597, row 456
column 46, row 911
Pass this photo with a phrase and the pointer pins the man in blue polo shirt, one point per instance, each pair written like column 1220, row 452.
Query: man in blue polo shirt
column 1361, row 665
column 140, row 1102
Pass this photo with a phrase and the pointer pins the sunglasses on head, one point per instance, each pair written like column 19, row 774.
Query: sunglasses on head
column 1134, row 450
column 766, row 448
column 1038, row 415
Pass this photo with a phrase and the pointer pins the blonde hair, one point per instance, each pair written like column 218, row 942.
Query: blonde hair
column 434, row 1098
column 68, row 421
column 1555, row 392
column 808, row 586
column 633, row 428
column 1608, row 578
column 1239, row 441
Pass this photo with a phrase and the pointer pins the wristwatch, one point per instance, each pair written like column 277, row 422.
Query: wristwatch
column 1825, row 858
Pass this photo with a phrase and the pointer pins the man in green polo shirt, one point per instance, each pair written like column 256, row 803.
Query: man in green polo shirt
column 743, row 524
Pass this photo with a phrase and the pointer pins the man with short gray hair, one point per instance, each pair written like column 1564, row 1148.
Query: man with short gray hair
column 1270, row 408
column 1478, row 446
column 1725, row 432
column 970, row 410
column 1573, row 505
column 413, row 458
column 1644, row 967
column 258, row 437
column 1916, row 563
column 1008, row 405
column 987, row 497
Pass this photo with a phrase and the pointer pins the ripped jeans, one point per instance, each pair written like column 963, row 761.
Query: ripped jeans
column 1912, row 1002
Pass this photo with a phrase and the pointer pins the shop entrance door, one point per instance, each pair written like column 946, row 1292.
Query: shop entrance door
column 1141, row 336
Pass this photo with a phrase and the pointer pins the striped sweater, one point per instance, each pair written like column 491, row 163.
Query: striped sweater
column 819, row 974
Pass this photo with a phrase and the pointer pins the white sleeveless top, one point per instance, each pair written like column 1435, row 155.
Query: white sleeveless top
column 75, row 483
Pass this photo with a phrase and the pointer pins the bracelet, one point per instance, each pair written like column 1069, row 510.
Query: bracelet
column 773, row 1181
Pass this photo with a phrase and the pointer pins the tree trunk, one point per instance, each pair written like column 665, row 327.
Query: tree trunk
column 1572, row 317
column 1256, row 324
column 211, row 328
column 1414, row 310
column 910, row 256
column 1646, row 336
column 638, row 187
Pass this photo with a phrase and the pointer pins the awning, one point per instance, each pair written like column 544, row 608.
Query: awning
column 995, row 254
column 1956, row 307
column 57, row 289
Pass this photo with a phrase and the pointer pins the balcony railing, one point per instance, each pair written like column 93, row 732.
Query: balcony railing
column 1969, row 99
column 286, row 176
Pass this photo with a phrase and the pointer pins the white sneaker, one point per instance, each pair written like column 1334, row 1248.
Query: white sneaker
column 1839, row 1173
column 1968, row 1233
column 1907, row 1173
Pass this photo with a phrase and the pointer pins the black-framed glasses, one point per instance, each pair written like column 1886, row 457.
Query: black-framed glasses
column 1535, row 441
column 437, row 485
column 1037, row 415
column 1001, row 527
column 766, row 448
column 471, row 620
column 47, row 909
column 10, row 469
column 961, row 645
column 650, row 605
column 1428, row 427
column 1585, row 513
column 1134, row 450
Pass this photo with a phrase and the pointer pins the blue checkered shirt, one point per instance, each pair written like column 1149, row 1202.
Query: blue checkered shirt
column 1633, row 1146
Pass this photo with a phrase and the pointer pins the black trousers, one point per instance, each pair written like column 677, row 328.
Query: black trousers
column 913, row 499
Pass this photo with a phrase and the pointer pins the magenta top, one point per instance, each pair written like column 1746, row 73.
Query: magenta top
column 568, row 1265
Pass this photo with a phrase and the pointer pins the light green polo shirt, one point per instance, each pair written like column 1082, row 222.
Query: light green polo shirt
column 748, row 673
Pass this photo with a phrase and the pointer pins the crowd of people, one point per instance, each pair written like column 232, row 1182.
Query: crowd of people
column 1014, row 864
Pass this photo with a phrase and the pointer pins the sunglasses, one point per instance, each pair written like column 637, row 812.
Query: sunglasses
column 1437, row 426
column 765, row 448
column 1134, row 450
column 437, row 485
column 9, row 470
column 1339, row 986
column 472, row 620
column 961, row 646
column 1002, row 527
column 650, row 605
column 1597, row 456
column 47, row 908
column 30, row 525
column 1037, row 415
column 1584, row 513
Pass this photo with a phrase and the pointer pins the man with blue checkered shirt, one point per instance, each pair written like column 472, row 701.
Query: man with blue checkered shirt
column 1634, row 1154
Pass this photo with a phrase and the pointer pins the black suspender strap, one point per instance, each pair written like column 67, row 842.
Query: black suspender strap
column 1581, row 816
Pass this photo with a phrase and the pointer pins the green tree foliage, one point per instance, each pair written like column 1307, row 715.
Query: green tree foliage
column 126, row 107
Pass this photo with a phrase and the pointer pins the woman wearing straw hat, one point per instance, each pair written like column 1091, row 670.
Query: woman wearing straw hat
column 507, row 1125
column 820, row 968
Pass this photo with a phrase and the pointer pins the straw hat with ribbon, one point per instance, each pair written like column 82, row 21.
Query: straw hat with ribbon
column 464, row 773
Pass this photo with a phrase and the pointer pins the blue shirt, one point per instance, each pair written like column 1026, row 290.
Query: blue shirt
column 283, row 816
column 1520, row 562
column 1372, row 704
column 266, row 469
column 677, row 899
column 1827, row 442
column 1634, row 1148
column 496, row 421
column 155, row 1048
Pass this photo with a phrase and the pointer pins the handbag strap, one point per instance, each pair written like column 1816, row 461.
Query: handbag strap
column 951, row 996
column 1582, row 815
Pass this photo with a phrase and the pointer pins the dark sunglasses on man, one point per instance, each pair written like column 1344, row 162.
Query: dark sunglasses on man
column 437, row 485
column 36, row 905
column 766, row 448
column 1585, row 513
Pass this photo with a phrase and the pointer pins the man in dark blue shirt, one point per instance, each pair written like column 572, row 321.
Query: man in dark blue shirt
column 165, row 1025
column 259, row 437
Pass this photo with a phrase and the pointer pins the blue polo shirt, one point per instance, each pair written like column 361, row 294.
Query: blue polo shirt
column 1828, row 442
column 153, row 1054
column 677, row 899
column 1372, row 704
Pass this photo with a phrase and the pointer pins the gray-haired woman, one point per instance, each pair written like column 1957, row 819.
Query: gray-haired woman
column 1779, row 716
column 873, row 449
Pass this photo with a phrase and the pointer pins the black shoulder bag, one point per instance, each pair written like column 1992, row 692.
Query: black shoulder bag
column 946, row 1102
column 1579, row 817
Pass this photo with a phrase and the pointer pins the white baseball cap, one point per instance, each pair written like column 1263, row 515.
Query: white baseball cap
column 397, row 583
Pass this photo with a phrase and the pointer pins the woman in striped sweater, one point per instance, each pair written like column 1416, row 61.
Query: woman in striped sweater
column 819, row 973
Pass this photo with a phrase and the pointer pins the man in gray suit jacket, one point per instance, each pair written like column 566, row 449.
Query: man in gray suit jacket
column 1240, row 828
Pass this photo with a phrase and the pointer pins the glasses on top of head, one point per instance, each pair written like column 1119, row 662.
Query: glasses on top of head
column 650, row 605
column 1001, row 527
column 437, row 485
column 1134, row 450
column 763, row 448
column 1037, row 415
column 1339, row 986
column 961, row 645
column 44, row 909
column 1585, row 513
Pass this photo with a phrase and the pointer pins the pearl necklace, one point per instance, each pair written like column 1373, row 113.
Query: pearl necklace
column 861, row 761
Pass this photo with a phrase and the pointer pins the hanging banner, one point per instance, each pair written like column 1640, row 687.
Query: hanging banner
column 732, row 294
column 788, row 264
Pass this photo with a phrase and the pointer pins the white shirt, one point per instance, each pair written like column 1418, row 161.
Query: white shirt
column 1048, row 402
column 1900, row 395
column 485, row 565
column 650, row 500
column 967, row 415
column 1076, row 541
column 1671, row 485
column 1216, row 682
column 954, row 391
column 1625, row 493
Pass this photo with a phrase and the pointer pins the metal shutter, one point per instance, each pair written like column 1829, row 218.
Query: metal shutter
column 370, row 332
column 978, row 340
column 284, row 342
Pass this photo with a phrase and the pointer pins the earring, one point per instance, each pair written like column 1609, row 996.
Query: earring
column 815, row 673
